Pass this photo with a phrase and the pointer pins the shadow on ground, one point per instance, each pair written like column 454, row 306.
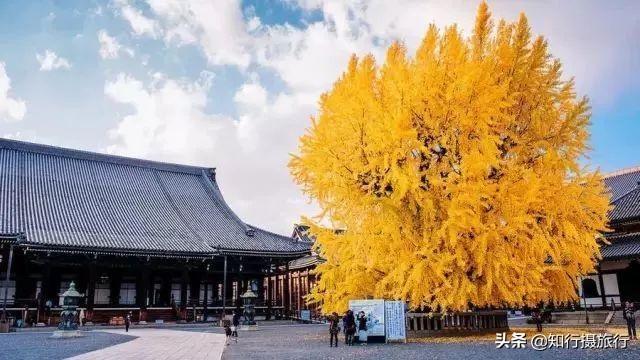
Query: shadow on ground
column 40, row 345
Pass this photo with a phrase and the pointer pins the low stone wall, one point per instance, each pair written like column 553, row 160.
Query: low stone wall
column 434, row 324
column 579, row 318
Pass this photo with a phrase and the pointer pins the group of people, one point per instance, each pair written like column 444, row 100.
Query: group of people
column 350, row 324
column 231, row 330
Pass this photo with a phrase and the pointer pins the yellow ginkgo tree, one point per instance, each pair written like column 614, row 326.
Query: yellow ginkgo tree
column 455, row 174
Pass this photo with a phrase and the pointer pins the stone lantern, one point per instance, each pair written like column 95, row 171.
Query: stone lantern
column 249, row 300
column 68, row 326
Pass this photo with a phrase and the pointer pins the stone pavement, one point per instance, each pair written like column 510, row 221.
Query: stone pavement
column 311, row 342
column 161, row 344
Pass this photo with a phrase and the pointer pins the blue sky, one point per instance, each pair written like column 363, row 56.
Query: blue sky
column 232, row 84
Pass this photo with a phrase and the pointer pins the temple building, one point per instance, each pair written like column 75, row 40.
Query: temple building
column 618, row 276
column 134, row 235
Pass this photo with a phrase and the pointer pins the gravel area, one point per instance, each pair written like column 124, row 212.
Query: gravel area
column 40, row 345
column 312, row 342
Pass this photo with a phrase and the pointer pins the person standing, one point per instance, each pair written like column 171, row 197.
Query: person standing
column 344, row 326
column 227, row 332
column 350, row 325
column 47, row 310
column 537, row 318
column 334, row 329
column 629, row 315
column 127, row 321
column 235, row 323
column 362, row 327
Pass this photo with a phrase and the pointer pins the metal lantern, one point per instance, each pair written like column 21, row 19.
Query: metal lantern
column 249, row 300
column 70, row 301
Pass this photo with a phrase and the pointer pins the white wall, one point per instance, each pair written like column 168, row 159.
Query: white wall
column 611, row 290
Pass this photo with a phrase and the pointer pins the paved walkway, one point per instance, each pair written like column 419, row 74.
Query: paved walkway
column 161, row 344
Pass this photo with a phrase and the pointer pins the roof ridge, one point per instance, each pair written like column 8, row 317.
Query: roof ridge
column 622, row 171
column 98, row 157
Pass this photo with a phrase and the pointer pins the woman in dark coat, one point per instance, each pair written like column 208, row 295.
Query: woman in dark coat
column 362, row 324
column 334, row 329
column 350, row 325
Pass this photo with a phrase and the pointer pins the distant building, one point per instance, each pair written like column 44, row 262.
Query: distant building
column 618, row 276
column 297, row 275
column 134, row 235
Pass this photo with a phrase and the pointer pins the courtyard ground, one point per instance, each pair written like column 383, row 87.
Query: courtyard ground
column 312, row 342
column 282, row 340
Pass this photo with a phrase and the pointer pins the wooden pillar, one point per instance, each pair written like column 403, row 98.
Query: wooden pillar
column 240, row 288
column 224, row 287
column 277, row 297
column 142, row 284
column 46, row 285
column 299, row 291
column 91, row 286
column 183, row 287
column 6, row 284
column 165, row 290
column 114, row 291
column 269, row 290
column 260, row 286
column 205, row 301
column 602, row 292
column 24, row 284
column 287, row 290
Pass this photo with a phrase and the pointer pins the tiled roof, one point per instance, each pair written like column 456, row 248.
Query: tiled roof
column 301, row 232
column 305, row 261
column 622, row 246
column 627, row 207
column 622, row 181
column 624, row 186
column 69, row 198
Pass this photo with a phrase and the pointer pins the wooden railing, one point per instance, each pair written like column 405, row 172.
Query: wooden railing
column 425, row 324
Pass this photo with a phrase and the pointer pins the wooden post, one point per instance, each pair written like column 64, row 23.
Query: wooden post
column 287, row 290
column 114, row 288
column 602, row 293
column 205, row 304
column 278, row 296
column 224, row 289
column 183, row 287
column 269, row 291
column 6, row 285
column 299, row 292
column 91, row 286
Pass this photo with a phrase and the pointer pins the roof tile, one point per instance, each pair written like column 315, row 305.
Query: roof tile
column 62, row 197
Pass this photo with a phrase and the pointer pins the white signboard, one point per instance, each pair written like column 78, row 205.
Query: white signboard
column 394, row 321
column 374, row 311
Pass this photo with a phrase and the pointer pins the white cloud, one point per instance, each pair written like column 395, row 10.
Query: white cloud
column 11, row 108
column 600, row 55
column 110, row 48
column 140, row 24
column 51, row 61
column 218, row 27
column 169, row 122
